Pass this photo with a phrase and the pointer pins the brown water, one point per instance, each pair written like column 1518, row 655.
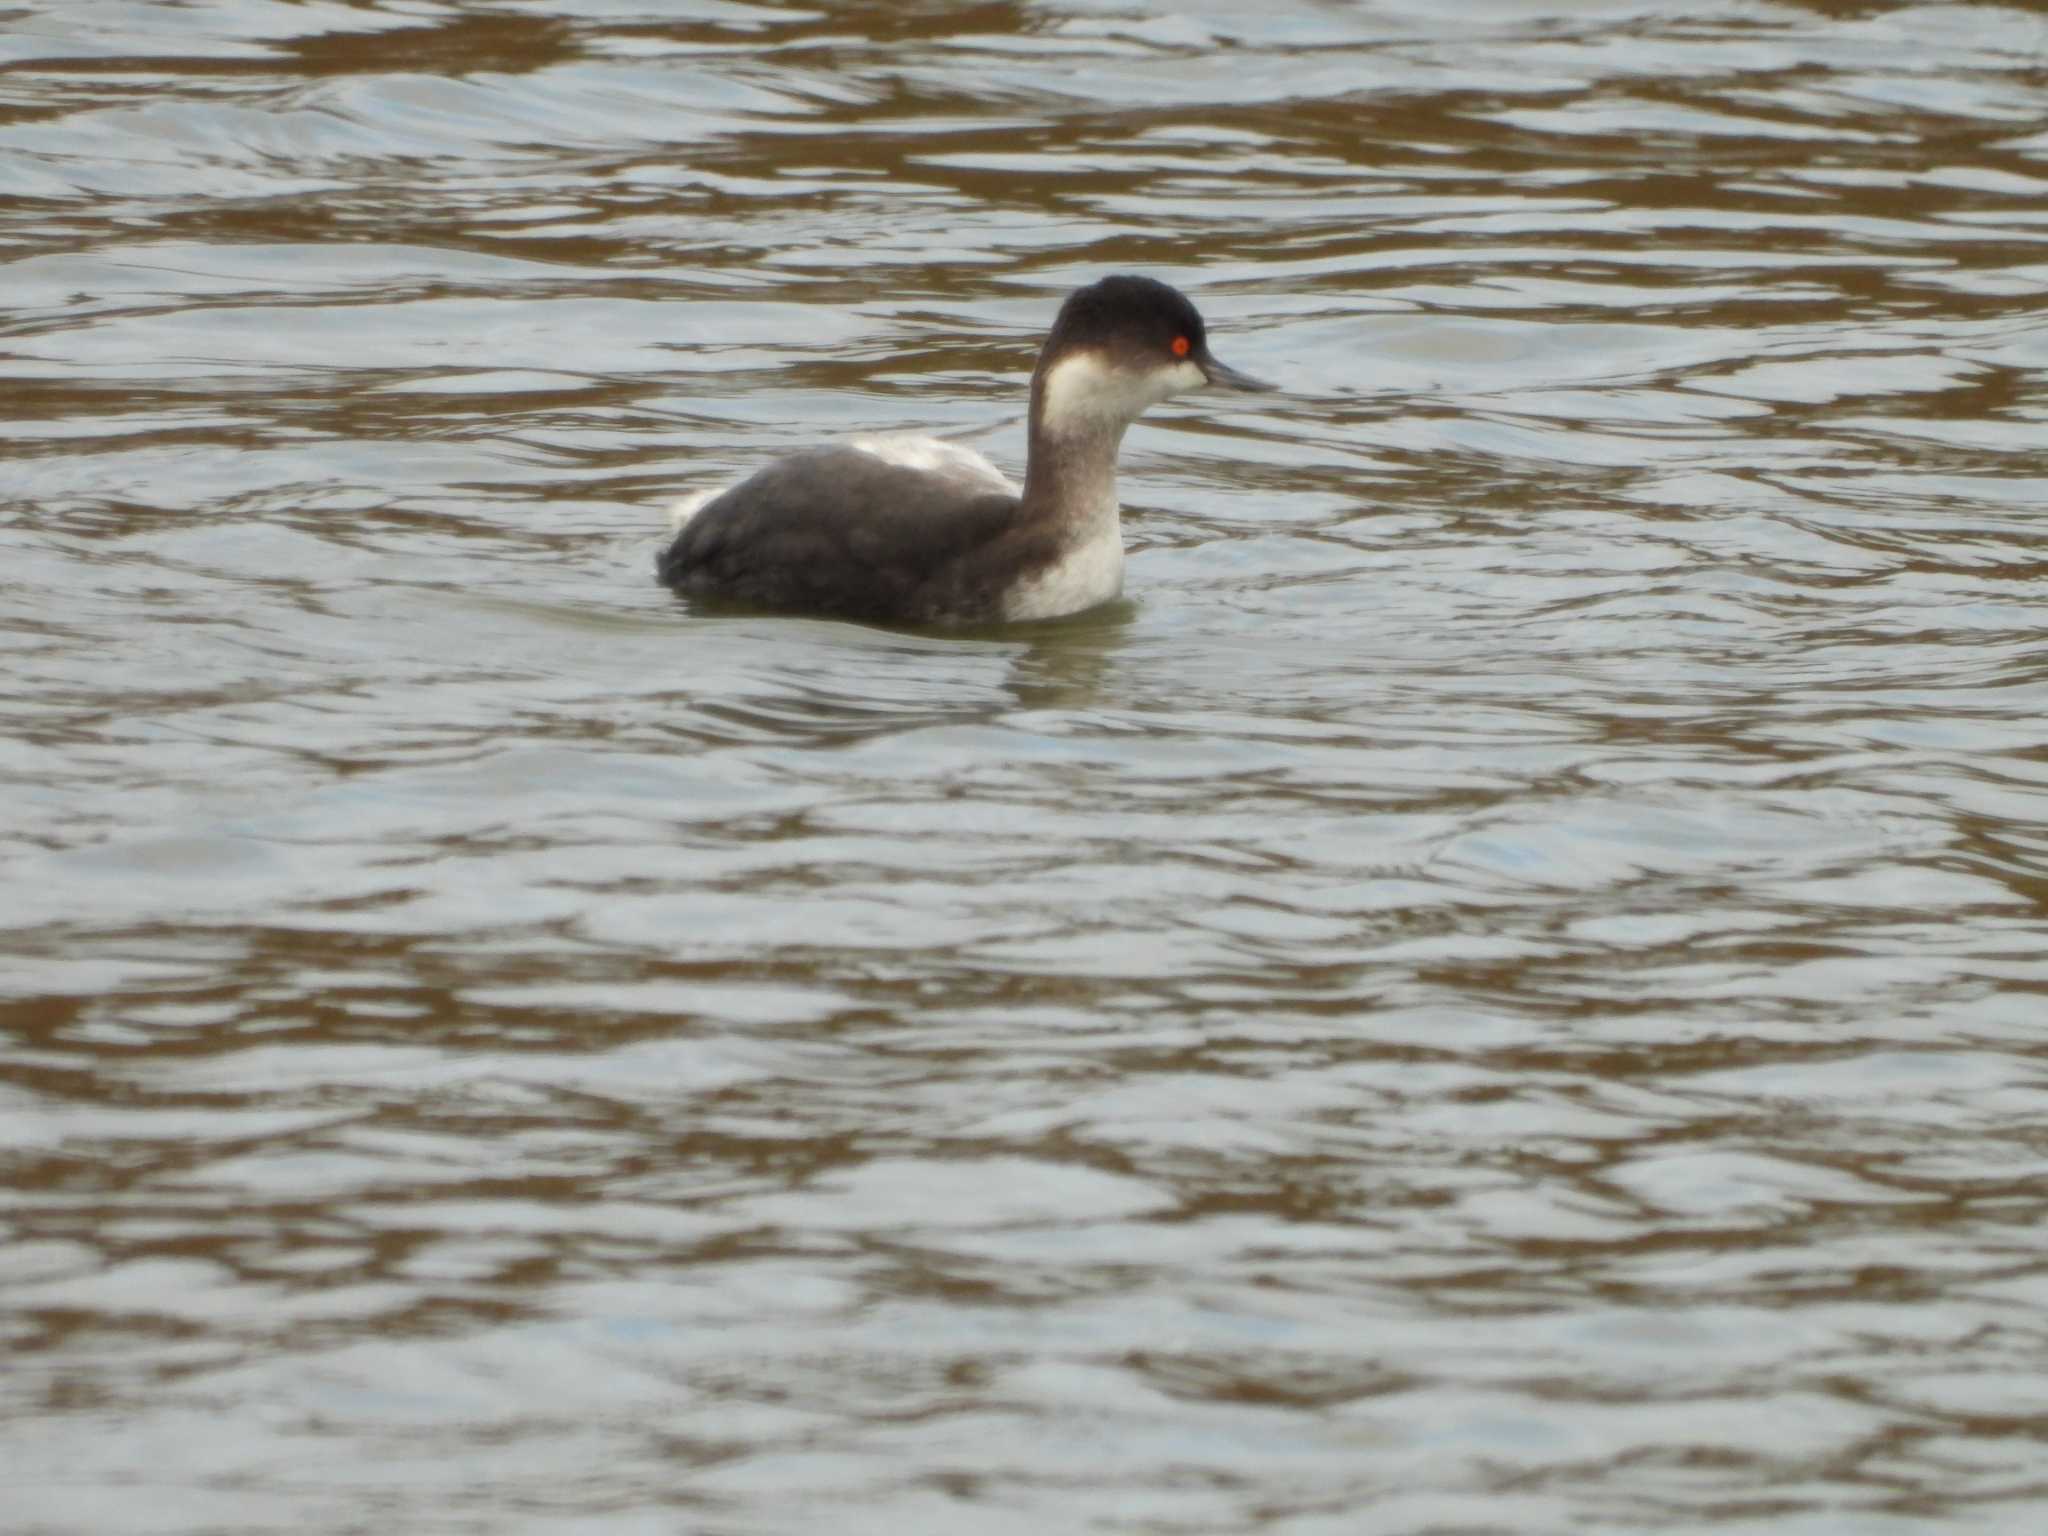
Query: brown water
column 1503, row 990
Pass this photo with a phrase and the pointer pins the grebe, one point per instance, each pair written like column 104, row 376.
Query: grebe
column 914, row 530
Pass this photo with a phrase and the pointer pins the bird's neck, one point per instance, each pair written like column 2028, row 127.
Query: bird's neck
column 1078, row 420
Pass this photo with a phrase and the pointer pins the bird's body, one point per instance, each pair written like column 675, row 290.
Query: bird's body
column 916, row 530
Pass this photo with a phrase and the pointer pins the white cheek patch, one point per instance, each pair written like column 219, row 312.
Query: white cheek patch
column 1084, row 388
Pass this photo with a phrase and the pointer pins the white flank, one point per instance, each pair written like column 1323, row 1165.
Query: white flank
column 933, row 456
column 926, row 455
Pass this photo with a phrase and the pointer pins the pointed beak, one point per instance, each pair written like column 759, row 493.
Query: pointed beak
column 1223, row 376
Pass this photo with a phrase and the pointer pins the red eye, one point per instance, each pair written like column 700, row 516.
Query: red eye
column 1180, row 346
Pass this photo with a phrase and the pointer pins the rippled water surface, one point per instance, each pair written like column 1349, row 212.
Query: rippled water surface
column 1501, row 990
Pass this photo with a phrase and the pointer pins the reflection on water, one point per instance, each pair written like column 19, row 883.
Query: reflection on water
column 1500, row 991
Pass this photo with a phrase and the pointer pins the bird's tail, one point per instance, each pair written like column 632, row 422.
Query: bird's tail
column 688, row 507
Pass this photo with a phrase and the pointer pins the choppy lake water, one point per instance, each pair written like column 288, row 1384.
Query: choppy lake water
column 1502, row 990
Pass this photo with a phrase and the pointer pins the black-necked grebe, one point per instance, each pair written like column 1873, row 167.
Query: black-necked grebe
column 915, row 530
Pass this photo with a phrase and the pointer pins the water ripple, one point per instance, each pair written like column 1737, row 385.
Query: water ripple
column 1499, row 988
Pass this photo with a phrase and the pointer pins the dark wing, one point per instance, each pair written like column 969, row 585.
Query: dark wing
column 842, row 532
